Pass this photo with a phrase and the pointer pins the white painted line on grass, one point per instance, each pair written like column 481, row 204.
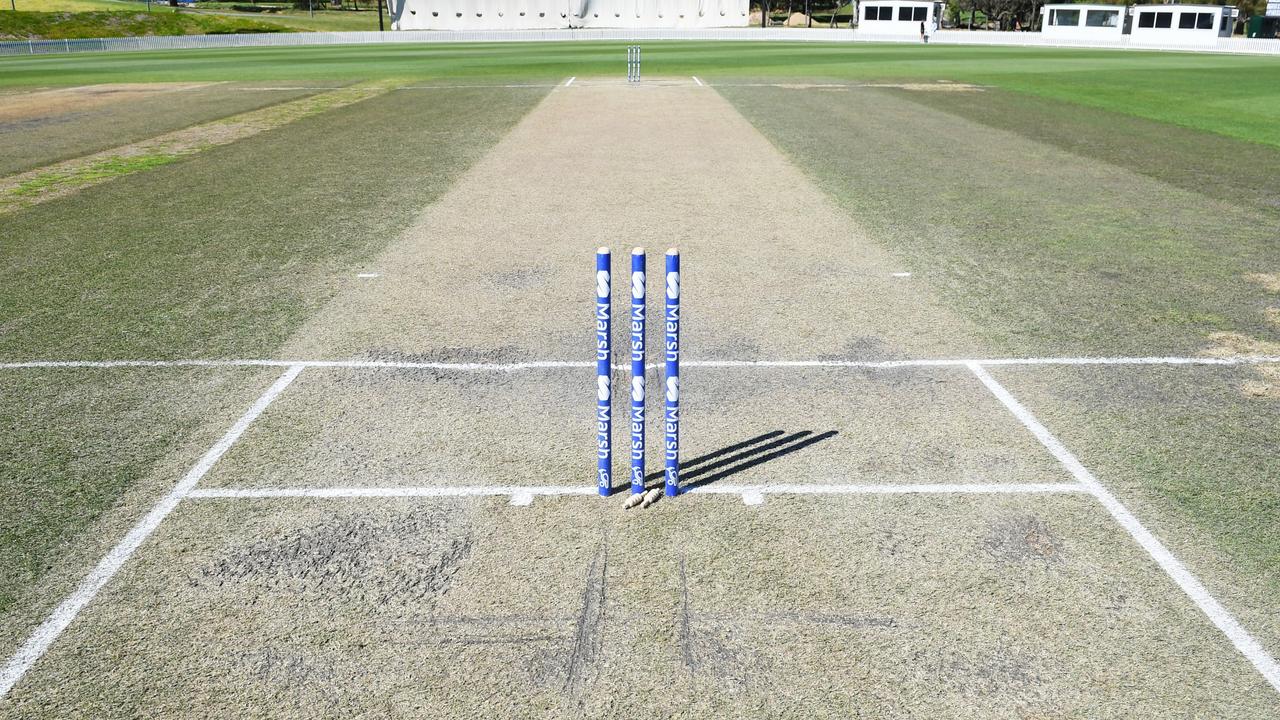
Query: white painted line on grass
column 1191, row 585
column 366, row 275
column 573, row 364
column 695, row 79
column 755, row 494
column 62, row 616
column 751, row 494
column 514, row 491
column 570, row 81
column 901, row 274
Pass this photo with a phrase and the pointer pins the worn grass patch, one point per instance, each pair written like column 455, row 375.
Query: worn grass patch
column 100, row 170
column 40, row 128
column 279, row 219
column 1051, row 251
column 73, row 443
column 1192, row 452
column 72, row 175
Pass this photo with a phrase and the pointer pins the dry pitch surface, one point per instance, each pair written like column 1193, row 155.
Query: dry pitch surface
column 338, row 555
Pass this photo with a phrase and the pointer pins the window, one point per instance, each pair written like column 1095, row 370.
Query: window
column 1102, row 18
column 873, row 12
column 1146, row 19
column 1164, row 19
column 904, row 13
column 1204, row 21
column 1186, row 21
column 920, row 14
column 1064, row 17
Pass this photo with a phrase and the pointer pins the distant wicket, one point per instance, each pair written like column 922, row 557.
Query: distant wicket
column 633, row 63
column 604, row 373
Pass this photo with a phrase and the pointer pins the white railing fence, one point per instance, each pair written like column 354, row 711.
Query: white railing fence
column 1253, row 46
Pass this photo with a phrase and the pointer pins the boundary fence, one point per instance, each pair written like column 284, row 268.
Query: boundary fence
column 1250, row 46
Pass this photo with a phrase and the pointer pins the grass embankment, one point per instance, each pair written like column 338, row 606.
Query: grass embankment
column 98, row 24
column 228, row 271
column 71, row 19
column 79, row 5
column 317, row 20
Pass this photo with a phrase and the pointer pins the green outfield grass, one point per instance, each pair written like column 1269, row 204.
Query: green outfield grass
column 1183, row 89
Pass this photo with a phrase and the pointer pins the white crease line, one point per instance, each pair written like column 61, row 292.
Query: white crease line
column 523, row 495
column 553, row 364
column 62, row 616
column 888, row 489
column 570, row 81
column 1192, row 586
column 695, row 79
column 392, row 492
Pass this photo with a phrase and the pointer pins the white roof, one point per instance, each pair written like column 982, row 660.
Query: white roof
column 1177, row 6
column 1085, row 6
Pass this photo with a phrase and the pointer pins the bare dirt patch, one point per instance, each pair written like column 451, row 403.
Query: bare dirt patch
column 1266, row 385
column 930, row 87
column 1227, row 344
column 813, row 86
column 64, row 178
column 1269, row 281
column 1022, row 538
column 50, row 103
